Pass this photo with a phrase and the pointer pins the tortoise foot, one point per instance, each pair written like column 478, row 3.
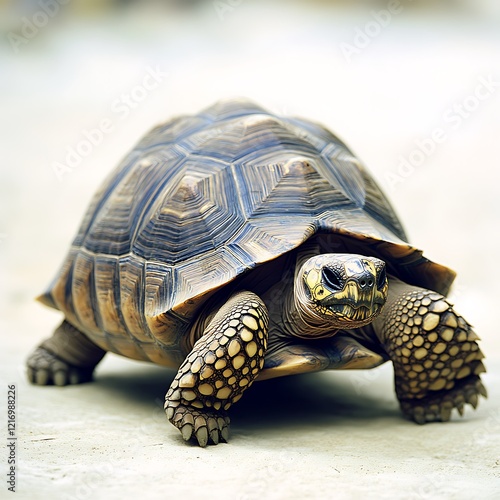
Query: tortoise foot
column 45, row 368
column 437, row 406
column 203, row 426
column 437, row 360
column 222, row 365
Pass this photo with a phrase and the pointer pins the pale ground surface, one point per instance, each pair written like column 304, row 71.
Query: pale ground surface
column 328, row 435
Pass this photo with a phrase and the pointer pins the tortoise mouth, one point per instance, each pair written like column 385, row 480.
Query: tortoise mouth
column 350, row 312
column 366, row 303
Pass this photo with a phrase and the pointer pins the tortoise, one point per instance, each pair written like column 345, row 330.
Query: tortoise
column 235, row 245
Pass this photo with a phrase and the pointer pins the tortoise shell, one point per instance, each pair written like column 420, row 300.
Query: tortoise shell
column 204, row 199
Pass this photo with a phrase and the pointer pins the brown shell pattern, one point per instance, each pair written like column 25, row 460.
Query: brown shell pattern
column 203, row 199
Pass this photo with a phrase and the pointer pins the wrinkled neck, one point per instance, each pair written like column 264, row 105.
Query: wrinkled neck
column 308, row 323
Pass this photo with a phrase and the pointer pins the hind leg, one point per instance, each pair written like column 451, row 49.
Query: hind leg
column 68, row 357
column 437, row 361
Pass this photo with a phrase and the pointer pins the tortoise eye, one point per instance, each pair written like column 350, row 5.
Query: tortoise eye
column 330, row 279
column 382, row 277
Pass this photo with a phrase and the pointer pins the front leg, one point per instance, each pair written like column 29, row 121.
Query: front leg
column 437, row 361
column 224, row 362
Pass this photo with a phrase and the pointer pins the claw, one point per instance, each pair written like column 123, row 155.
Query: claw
column 419, row 419
column 418, row 415
column 222, row 422
column 473, row 400
column 472, row 336
column 224, row 433
column 42, row 377
column 45, row 368
column 200, row 422
column 187, row 431
column 482, row 390
column 213, row 430
column 445, row 414
column 74, row 378
column 439, row 406
column 202, row 436
column 59, row 378
column 205, row 427
column 214, row 436
column 480, row 368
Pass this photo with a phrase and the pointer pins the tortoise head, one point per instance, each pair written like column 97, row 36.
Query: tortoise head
column 342, row 290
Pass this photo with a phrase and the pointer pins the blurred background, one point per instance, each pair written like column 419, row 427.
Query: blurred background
column 397, row 80
column 412, row 86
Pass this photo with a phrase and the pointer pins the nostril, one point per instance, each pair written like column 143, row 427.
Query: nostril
column 366, row 283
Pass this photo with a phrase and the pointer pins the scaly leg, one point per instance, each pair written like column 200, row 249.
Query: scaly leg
column 224, row 362
column 437, row 361
column 68, row 357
